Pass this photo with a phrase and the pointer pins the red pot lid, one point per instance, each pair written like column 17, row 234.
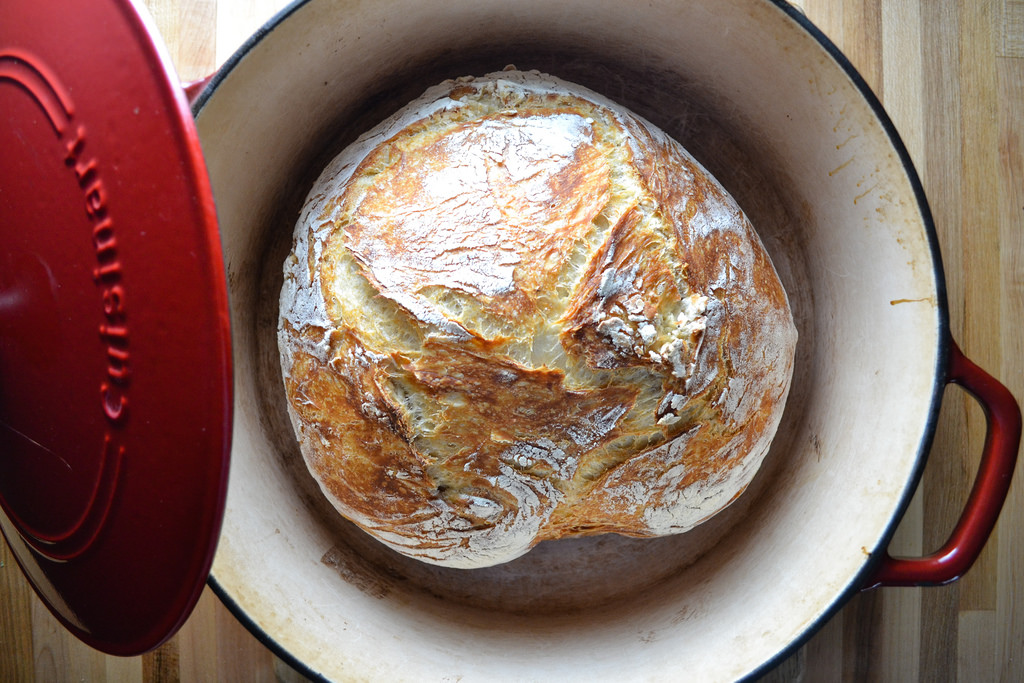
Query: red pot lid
column 115, row 369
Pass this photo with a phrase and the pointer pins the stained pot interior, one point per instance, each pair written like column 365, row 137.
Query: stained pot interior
column 767, row 110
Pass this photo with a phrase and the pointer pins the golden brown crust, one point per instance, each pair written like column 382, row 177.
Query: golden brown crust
column 515, row 312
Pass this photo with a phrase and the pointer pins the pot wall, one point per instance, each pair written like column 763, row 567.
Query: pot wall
column 760, row 103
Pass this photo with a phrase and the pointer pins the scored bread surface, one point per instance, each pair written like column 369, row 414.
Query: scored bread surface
column 514, row 312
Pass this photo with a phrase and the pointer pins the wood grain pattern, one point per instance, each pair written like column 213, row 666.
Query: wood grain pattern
column 951, row 75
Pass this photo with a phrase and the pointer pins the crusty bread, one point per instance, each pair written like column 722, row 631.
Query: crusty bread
column 514, row 311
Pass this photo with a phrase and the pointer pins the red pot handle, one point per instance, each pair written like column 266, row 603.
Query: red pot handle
column 991, row 486
column 193, row 88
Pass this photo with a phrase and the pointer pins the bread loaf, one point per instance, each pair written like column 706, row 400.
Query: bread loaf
column 515, row 312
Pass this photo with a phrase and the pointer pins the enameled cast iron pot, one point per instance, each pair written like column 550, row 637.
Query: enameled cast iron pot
column 772, row 109
column 777, row 114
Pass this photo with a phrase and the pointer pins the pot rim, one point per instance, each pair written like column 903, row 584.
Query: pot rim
column 940, row 372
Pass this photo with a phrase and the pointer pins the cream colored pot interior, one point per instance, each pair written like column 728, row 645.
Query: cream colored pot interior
column 765, row 108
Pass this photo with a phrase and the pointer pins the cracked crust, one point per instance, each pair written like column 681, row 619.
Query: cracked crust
column 515, row 311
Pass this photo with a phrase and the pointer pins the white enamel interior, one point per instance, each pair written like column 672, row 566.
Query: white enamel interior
column 756, row 99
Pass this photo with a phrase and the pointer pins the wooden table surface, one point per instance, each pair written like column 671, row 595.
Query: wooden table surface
column 951, row 75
